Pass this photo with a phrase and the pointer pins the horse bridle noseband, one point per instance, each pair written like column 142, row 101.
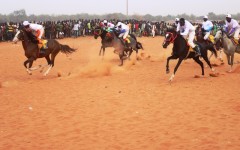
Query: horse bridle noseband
column 172, row 38
column 98, row 34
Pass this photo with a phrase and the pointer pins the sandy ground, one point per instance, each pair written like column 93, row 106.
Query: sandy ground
column 97, row 105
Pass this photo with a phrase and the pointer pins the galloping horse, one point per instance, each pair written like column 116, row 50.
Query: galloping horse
column 107, row 40
column 32, row 51
column 111, row 39
column 181, row 51
column 206, row 43
column 229, row 47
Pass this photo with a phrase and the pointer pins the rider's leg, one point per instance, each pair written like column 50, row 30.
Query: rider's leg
column 190, row 42
column 236, row 35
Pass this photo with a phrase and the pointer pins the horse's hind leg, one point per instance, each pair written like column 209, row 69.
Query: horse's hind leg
column 50, row 63
column 197, row 60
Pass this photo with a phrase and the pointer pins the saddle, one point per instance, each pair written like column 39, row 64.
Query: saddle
column 42, row 44
column 236, row 43
column 211, row 39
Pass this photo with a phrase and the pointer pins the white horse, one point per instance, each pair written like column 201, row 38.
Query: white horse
column 228, row 47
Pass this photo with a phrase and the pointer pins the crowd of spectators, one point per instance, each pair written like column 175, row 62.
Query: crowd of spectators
column 85, row 27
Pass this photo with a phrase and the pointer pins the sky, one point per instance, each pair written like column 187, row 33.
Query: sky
column 140, row 7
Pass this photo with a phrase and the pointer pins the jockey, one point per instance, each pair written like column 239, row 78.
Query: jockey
column 108, row 26
column 187, row 30
column 38, row 29
column 207, row 26
column 232, row 28
column 124, row 31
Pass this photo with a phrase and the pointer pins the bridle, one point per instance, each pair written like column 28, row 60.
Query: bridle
column 171, row 39
column 98, row 33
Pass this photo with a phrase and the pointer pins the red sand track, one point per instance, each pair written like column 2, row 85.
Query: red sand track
column 97, row 105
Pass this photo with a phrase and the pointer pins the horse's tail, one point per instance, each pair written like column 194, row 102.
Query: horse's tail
column 66, row 49
column 139, row 46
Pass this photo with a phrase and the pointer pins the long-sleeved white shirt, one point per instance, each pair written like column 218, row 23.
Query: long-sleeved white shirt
column 184, row 30
column 232, row 24
column 207, row 25
column 35, row 27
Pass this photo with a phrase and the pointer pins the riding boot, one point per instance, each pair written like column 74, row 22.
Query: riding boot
column 197, row 51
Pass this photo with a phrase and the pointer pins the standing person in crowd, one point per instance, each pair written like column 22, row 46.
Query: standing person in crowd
column 153, row 29
column 232, row 28
column 76, row 29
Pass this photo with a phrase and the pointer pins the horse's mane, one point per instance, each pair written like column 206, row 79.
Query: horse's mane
column 32, row 37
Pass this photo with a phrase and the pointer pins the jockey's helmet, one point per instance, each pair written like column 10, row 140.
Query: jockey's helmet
column 228, row 18
column 205, row 18
column 176, row 20
column 105, row 22
column 26, row 24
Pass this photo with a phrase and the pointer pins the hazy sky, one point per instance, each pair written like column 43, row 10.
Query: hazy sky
column 142, row 7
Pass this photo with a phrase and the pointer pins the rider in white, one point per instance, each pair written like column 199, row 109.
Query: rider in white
column 124, row 31
column 232, row 28
column 206, row 27
column 38, row 29
column 108, row 25
column 187, row 30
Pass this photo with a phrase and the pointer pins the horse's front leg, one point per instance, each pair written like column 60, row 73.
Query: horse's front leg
column 197, row 60
column 229, row 58
column 121, row 54
column 30, row 62
column 100, row 50
column 168, row 59
column 176, row 68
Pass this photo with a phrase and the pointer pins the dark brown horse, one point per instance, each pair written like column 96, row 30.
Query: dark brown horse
column 181, row 51
column 32, row 51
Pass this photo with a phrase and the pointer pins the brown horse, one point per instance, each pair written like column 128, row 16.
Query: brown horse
column 32, row 51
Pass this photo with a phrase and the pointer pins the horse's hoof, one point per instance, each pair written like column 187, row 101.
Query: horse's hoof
column 167, row 72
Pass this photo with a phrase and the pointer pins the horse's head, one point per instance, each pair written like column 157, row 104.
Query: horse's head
column 97, row 32
column 170, row 36
column 19, row 36
column 218, row 38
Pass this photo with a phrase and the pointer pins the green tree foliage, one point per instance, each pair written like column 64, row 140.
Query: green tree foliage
column 20, row 15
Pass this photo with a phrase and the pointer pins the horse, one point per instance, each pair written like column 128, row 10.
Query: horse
column 181, row 51
column 107, row 40
column 228, row 45
column 111, row 39
column 206, row 43
column 32, row 51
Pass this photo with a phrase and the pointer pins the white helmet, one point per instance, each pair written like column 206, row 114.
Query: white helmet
column 25, row 23
column 229, row 16
column 177, row 19
column 105, row 21
column 205, row 17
